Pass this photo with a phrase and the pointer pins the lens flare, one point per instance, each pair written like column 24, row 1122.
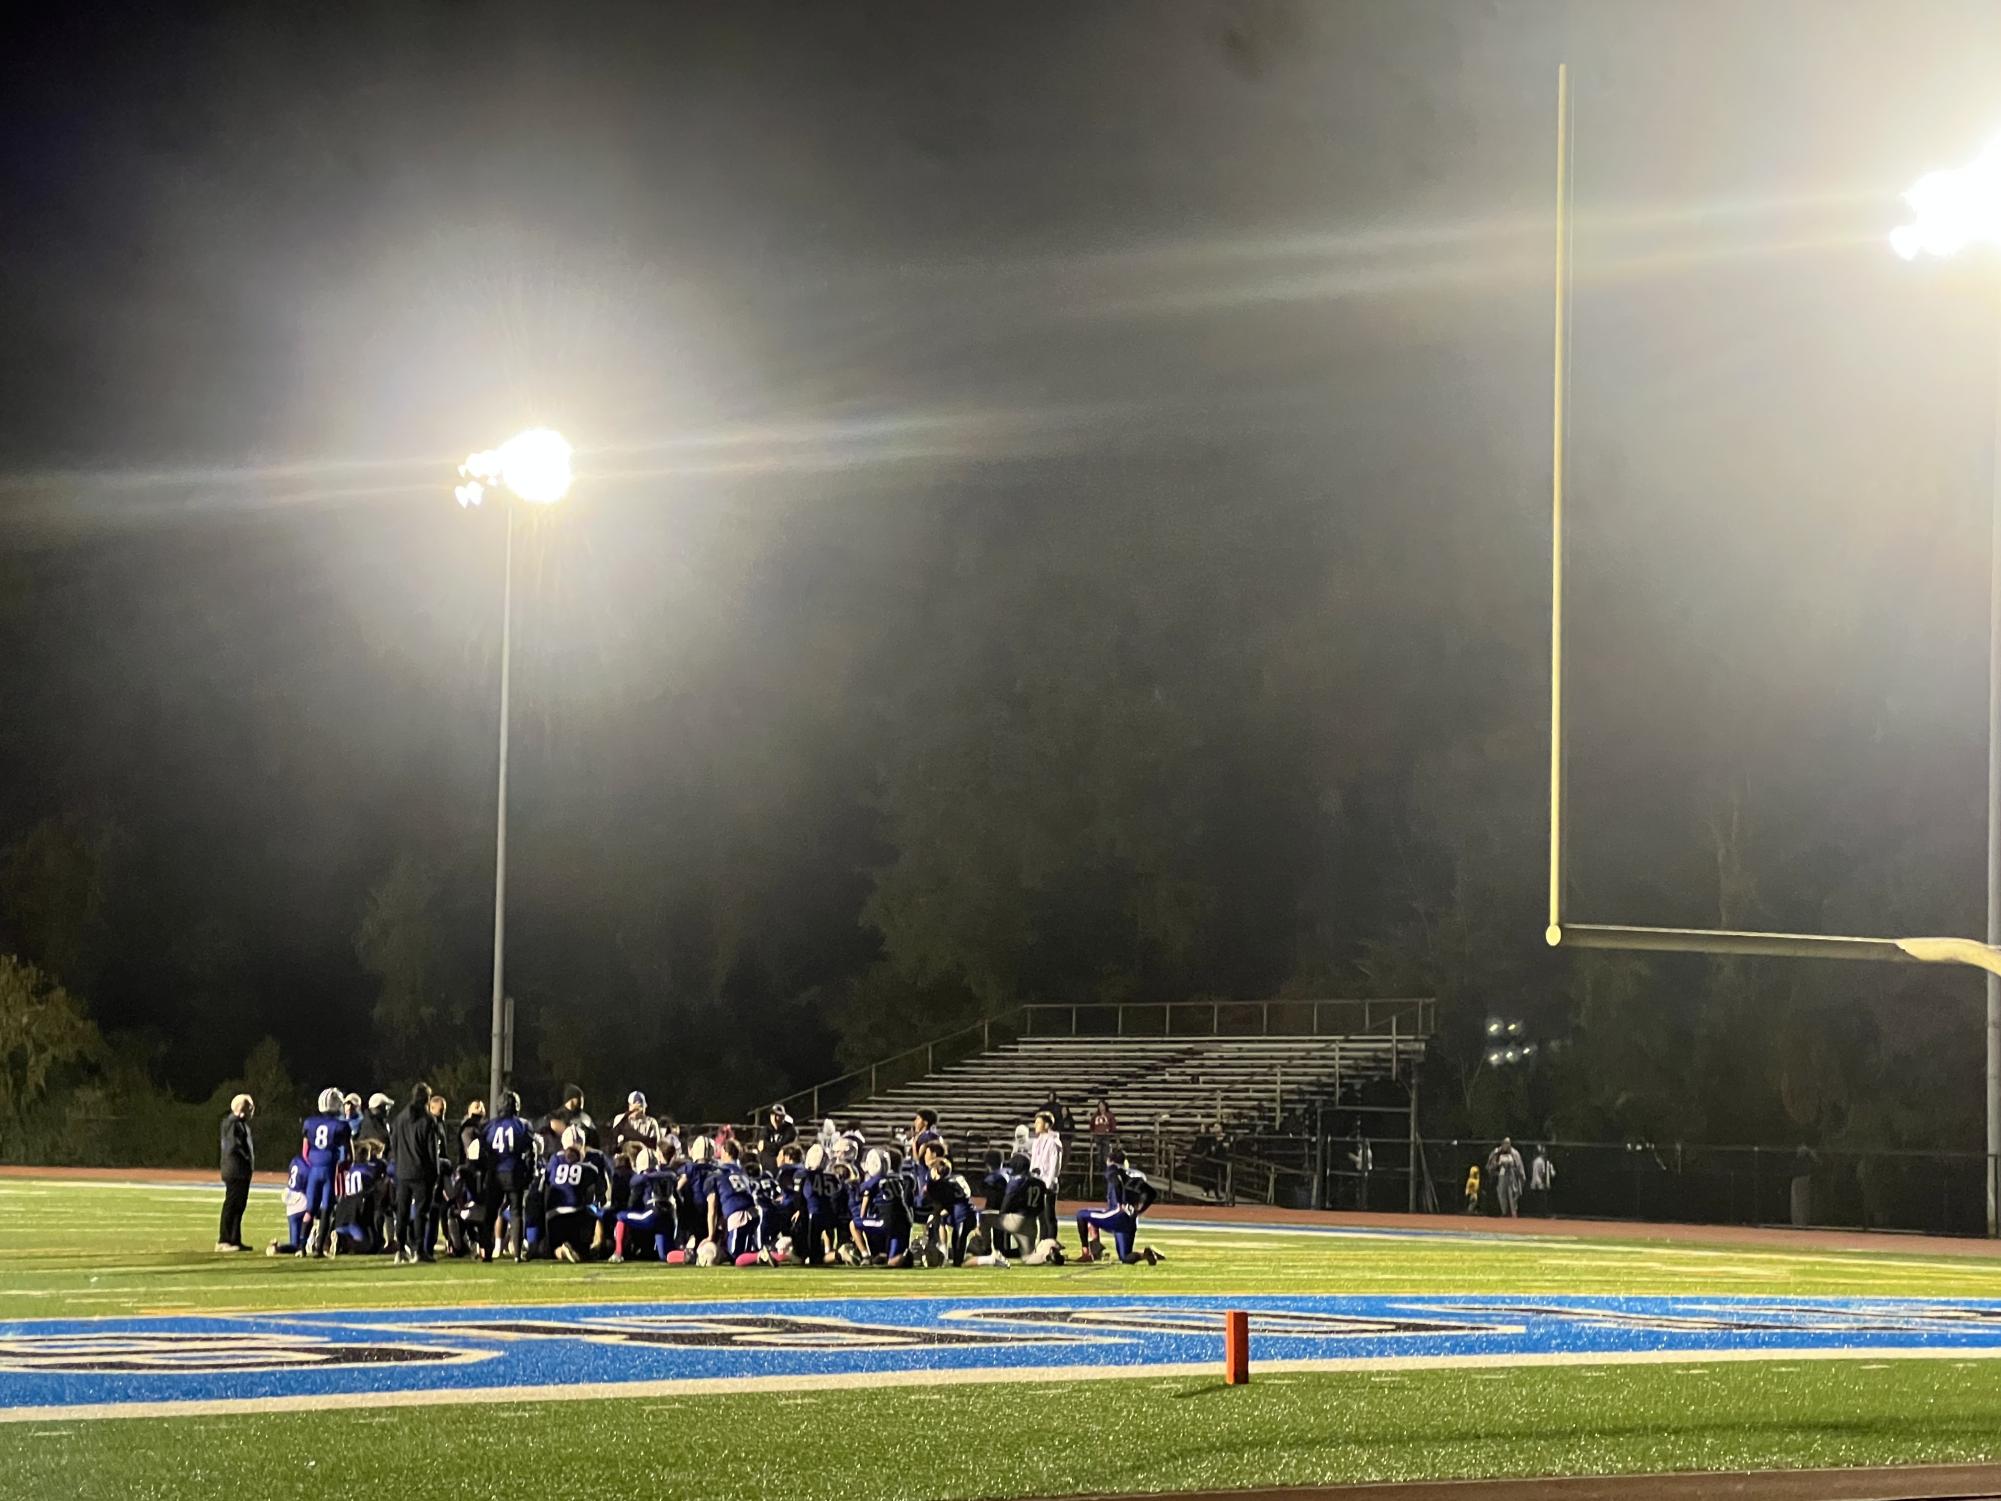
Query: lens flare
column 534, row 465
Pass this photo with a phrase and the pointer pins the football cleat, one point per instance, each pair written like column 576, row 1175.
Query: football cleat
column 617, row 1258
column 1153, row 1257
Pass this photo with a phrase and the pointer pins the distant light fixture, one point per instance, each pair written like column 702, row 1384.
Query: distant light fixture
column 1493, row 1028
column 533, row 465
column 1953, row 208
column 1494, row 1058
column 1514, row 1029
column 1513, row 1055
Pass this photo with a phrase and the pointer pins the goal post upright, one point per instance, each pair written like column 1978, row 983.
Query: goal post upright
column 1958, row 951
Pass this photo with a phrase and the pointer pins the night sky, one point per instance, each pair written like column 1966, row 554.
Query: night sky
column 1061, row 513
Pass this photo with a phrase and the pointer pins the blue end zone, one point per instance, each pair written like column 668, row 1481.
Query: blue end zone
column 94, row 1362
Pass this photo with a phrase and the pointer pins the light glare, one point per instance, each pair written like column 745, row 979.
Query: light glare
column 1953, row 208
column 534, row 465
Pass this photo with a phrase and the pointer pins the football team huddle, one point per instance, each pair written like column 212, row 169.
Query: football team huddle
column 375, row 1179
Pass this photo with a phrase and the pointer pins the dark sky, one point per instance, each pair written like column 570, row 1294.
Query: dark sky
column 820, row 290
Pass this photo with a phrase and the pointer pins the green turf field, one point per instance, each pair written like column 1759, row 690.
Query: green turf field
column 56, row 1260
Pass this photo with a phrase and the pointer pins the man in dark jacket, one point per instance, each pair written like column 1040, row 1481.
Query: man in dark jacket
column 415, row 1145
column 239, row 1161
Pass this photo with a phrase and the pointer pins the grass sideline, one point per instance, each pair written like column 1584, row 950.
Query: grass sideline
column 1144, row 1432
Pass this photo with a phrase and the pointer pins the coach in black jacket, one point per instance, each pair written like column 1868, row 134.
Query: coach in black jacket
column 239, row 1161
column 416, row 1142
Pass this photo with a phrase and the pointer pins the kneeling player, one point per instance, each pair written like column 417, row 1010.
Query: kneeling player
column 360, row 1211
column 653, row 1209
column 1127, row 1196
column 946, row 1202
column 882, row 1211
column 733, row 1219
column 294, row 1243
column 573, row 1197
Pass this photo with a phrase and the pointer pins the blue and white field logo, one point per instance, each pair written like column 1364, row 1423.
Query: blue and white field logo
column 304, row 1361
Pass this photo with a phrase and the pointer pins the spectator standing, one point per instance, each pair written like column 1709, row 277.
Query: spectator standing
column 440, row 1109
column 1542, row 1178
column 1045, row 1162
column 415, row 1146
column 1473, row 1189
column 470, row 1129
column 1059, row 1112
column 239, row 1162
column 1504, row 1165
column 635, row 1128
column 780, row 1130
column 1104, row 1126
column 1363, row 1159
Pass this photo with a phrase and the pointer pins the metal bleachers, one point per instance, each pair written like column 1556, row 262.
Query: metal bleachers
column 1168, row 1071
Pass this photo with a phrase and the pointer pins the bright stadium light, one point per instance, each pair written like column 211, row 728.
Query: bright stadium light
column 533, row 465
column 1953, row 208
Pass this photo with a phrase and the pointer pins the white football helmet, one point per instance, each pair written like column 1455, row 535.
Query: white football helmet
column 701, row 1149
column 706, row 1253
column 575, row 1136
column 876, row 1162
column 330, row 1101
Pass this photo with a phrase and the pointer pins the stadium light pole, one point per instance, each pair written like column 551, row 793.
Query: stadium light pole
column 1952, row 210
column 532, row 466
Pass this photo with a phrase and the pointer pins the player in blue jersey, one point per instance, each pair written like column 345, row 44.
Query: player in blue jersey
column 733, row 1224
column 693, row 1174
column 361, row 1211
column 653, row 1212
column 820, row 1202
column 573, row 1198
column 507, row 1152
column 786, row 1228
column 294, row 1243
column 923, row 1133
column 946, row 1203
column 882, row 1211
column 1127, row 1196
column 325, row 1144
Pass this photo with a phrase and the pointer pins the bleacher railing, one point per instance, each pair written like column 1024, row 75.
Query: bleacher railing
column 1411, row 1017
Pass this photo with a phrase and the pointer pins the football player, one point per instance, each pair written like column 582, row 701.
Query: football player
column 362, row 1208
column 326, row 1148
column 696, row 1198
column 1127, row 1196
column 733, row 1219
column 947, row 1202
column 882, row 1211
column 294, row 1243
column 653, row 1212
column 573, row 1198
column 507, row 1150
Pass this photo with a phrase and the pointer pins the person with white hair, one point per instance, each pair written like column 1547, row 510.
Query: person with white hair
column 239, row 1164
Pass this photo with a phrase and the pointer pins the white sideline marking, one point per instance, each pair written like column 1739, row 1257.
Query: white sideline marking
column 821, row 1382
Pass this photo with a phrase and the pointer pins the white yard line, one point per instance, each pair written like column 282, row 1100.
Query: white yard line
column 822, row 1382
